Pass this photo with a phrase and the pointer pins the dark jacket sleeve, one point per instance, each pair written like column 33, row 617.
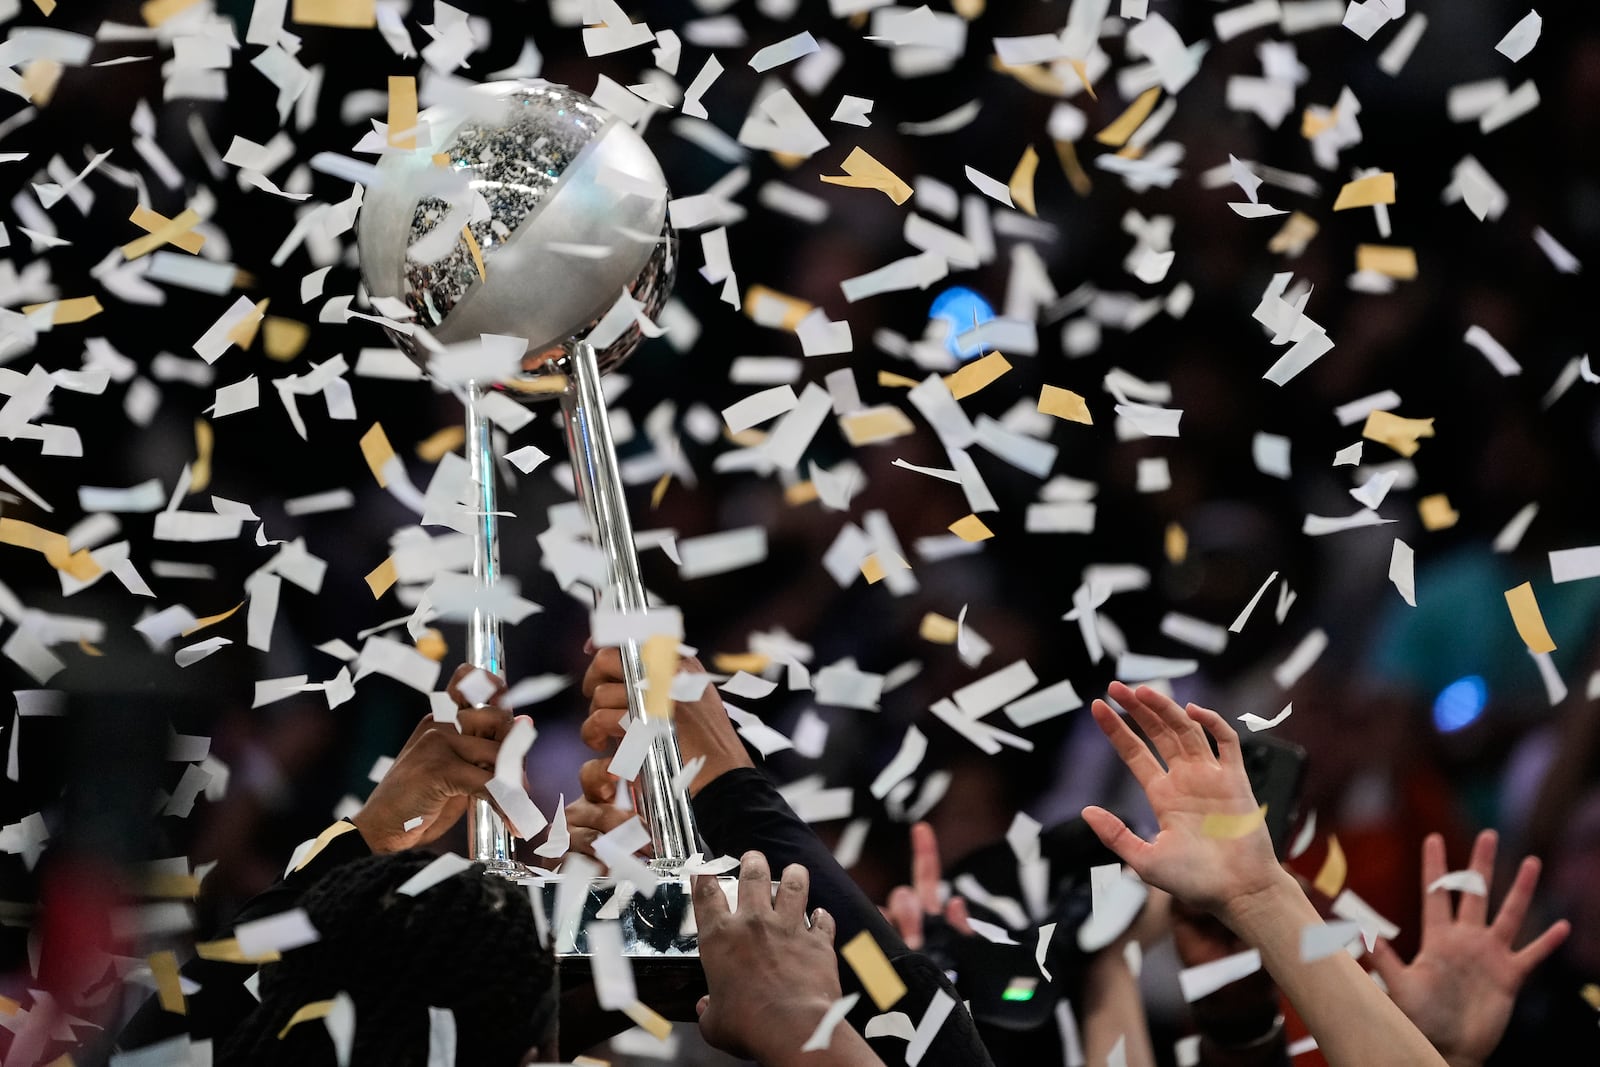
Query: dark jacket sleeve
column 742, row 811
column 222, row 1000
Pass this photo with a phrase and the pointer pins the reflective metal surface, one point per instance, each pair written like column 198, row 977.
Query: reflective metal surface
column 665, row 808
column 562, row 205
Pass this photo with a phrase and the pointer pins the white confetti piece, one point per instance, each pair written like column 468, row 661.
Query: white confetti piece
column 1520, row 39
column 822, row 1036
column 1401, row 563
column 1207, row 978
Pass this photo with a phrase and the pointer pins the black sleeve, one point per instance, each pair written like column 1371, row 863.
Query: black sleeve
column 742, row 811
column 222, row 1000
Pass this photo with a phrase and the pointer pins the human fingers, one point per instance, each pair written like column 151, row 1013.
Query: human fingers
column 603, row 726
column 1136, row 755
column 905, row 915
column 1473, row 908
column 925, row 869
column 1229, row 751
column 1514, row 908
column 823, row 925
column 1191, row 740
column 600, row 818
column 1114, row 834
column 794, row 887
column 710, row 905
column 1161, row 736
column 490, row 722
column 755, row 883
column 599, row 784
column 1386, row 961
column 606, row 666
column 956, row 914
column 1435, row 905
column 479, row 751
column 1539, row 949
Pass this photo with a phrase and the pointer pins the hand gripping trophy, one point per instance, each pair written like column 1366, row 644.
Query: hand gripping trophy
column 531, row 212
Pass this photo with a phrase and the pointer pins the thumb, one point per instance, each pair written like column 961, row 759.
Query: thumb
column 1115, row 835
column 1387, row 963
column 701, row 1005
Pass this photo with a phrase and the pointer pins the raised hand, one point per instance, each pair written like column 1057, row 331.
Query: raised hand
column 910, row 905
column 438, row 771
column 1211, row 849
column 771, row 976
column 1462, row 984
column 702, row 725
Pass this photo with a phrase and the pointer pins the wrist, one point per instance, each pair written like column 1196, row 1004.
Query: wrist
column 785, row 1028
column 380, row 844
column 1262, row 907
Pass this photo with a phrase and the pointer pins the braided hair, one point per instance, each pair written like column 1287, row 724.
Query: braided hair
column 468, row 944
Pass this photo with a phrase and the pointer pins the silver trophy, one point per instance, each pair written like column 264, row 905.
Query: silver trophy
column 529, row 211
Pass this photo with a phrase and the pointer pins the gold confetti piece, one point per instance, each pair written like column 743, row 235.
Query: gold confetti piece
column 971, row 528
column 378, row 452
column 1116, row 135
column 1314, row 121
column 46, row 6
column 87, row 648
column 660, row 656
column 1393, row 261
column 759, row 297
column 441, row 159
column 62, row 1060
column 432, row 645
column 967, row 9
column 402, row 112
column 734, row 662
column 161, row 230
column 332, row 831
column 1021, row 185
column 345, row 14
column 1064, row 404
column 156, row 12
column 877, row 974
column 437, row 445
column 938, row 629
column 1591, row 994
column 1082, row 70
column 243, row 333
column 863, row 172
column 658, row 492
column 544, row 383
column 800, row 493
column 317, row 1009
column 1436, row 512
column 172, row 886
column 875, row 425
column 477, row 254
column 9, row 1006
column 1067, row 154
column 200, row 472
column 872, row 568
column 228, row 950
column 1366, row 192
column 69, row 311
column 1529, row 621
column 977, row 374
column 1330, row 879
column 169, row 988
column 891, row 380
column 1398, row 433
column 211, row 620
column 39, row 80
column 590, row 1061
column 1232, row 827
column 382, row 577
column 646, row 1018
column 1297, row 232
column 52, row 546
column 283, row 338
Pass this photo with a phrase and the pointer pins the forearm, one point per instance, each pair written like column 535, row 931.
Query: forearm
column 846, row 1048
column 1113, row 1010
column 1331, row 994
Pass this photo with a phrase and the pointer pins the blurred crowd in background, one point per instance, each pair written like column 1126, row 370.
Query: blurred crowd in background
column 1415, row 719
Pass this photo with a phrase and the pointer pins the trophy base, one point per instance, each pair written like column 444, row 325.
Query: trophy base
column 657, row 928
column 508, row 869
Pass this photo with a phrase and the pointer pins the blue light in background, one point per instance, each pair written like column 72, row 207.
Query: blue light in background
column 962, row 309
column 1459, row 704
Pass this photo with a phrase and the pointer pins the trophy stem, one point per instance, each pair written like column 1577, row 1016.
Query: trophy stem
column 665, row 807
column 488, row 837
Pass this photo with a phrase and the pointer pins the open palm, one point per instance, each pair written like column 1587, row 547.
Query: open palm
column 1461, row 986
